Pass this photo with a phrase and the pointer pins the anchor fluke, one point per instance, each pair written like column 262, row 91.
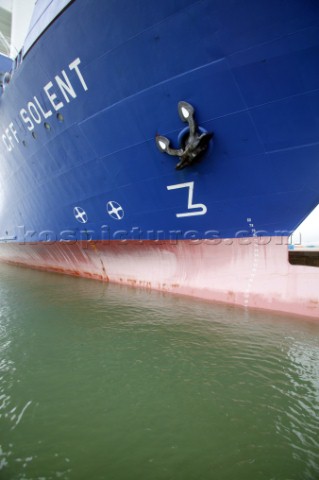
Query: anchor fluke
column 163, row 145
column 185, row 110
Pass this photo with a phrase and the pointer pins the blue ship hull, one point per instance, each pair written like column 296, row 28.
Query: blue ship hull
column 79, row 119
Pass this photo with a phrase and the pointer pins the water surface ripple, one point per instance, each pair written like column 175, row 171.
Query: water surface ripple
column 106, row 382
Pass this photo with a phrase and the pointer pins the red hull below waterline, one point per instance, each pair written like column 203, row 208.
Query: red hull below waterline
column 249, row 272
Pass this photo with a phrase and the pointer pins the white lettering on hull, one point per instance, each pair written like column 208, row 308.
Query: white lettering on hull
column 58, row 92
column 200, row 208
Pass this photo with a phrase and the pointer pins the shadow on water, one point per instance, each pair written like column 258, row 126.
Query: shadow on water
column 101, row 381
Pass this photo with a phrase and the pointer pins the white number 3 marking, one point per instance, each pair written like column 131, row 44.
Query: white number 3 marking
column 201, row 209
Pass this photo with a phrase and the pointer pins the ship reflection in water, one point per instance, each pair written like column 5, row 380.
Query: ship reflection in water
column 100, row 381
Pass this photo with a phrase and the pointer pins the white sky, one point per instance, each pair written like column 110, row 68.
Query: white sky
column 308, row 231
column 6, row 4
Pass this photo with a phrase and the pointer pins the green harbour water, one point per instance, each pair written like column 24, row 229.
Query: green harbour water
column 99, row 381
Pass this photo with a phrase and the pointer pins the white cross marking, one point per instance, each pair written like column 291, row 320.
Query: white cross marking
column 115, row 210
column 80, row 215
